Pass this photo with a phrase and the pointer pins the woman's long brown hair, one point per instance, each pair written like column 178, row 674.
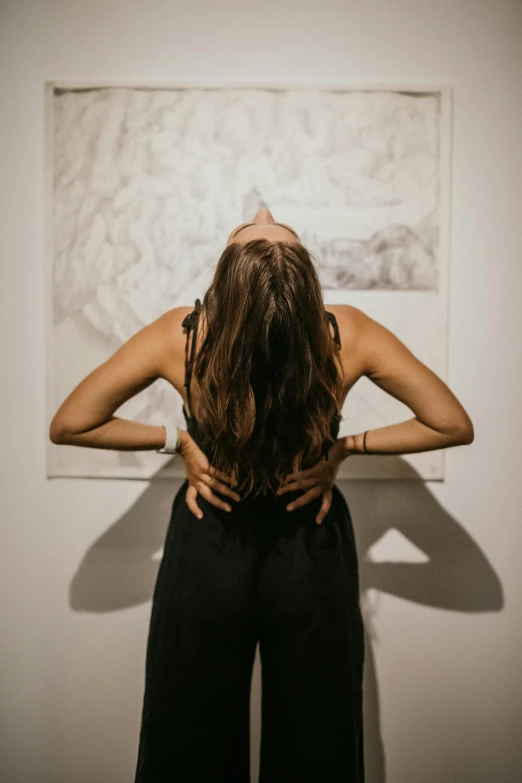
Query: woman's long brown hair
column 268, row 372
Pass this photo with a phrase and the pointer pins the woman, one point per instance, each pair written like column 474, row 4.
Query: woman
column 260, row 545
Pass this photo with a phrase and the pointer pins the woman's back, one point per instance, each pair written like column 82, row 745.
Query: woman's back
column 191, row 324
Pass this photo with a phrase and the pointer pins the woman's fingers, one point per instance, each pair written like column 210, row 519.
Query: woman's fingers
column 303, row 473
column 205, row 491
column 218, row 486
column 202, row 486
column 325, row 506
column 307, row 497
column 190, row 498
column 311, row 482
column 221, row 476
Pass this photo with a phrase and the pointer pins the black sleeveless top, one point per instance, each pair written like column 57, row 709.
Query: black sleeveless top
column 190, row 323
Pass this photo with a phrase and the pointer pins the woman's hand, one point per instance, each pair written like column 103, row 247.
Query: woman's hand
column 319, row 479
column 202, row 477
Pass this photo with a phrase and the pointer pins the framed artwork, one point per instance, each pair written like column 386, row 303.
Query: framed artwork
column 144, row 183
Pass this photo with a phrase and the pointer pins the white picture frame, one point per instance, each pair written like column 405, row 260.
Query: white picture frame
column 92, row 263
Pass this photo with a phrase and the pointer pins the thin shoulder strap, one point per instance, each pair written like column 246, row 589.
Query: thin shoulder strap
column 190, row 323
column 333, row 321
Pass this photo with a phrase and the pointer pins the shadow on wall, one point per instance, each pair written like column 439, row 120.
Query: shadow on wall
column 120, row 568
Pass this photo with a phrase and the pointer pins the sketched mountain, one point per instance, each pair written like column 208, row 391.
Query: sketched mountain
column 395, row 258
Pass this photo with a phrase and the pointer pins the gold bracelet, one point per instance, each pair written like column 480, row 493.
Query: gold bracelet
column 364, row 443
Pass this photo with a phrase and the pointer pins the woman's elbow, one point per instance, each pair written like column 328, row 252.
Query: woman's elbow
column 57, row 433
column 464, row 433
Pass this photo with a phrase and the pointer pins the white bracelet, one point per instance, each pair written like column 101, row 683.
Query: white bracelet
column 171, row 440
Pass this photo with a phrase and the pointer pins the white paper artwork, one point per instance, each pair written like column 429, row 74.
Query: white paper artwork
column 144, row 185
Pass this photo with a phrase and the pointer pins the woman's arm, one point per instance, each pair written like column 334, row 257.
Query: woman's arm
column 86, row 417
column 440, row 420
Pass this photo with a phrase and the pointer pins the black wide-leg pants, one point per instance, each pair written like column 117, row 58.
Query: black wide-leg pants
column 226, row 582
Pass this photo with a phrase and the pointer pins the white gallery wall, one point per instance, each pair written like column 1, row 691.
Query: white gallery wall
column 439, row 561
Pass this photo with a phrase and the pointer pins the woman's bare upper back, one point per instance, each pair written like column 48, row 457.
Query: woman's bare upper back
column 368, row 349
column 175, row 345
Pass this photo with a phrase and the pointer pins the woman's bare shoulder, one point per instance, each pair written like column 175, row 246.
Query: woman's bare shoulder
column 171, row 332
column 174, row 317
column 351, row 322
column 365, row 340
